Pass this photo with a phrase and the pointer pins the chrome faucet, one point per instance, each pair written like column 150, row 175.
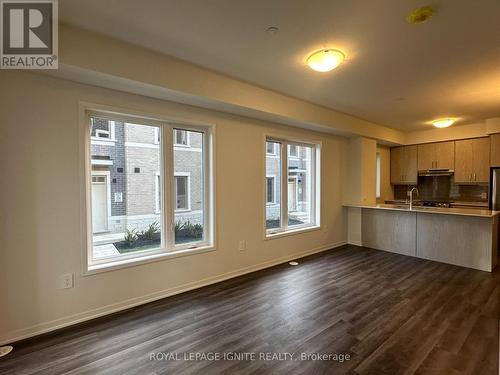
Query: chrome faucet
column 409, row 193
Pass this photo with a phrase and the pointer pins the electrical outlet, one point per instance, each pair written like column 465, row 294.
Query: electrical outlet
column 66, row 281
column 242, row 245
column 325, row 228
column 484, row 195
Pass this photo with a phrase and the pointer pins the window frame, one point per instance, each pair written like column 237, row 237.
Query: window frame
column 285, row 229
column 168, row 249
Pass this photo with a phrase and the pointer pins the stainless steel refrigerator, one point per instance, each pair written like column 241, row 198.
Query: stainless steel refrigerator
column 494, row 197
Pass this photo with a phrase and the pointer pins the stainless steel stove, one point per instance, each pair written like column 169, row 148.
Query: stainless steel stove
column 445, row 204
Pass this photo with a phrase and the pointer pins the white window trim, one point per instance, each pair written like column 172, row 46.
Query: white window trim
column 285, row 230
column 188, row 139
column 167, row 251
column 188, row 192
column 274, row 177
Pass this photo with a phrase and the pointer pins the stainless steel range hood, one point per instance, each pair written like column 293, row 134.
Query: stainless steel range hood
column 436, row 172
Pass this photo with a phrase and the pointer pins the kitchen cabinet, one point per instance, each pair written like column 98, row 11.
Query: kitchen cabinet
column 440, row 155
column 472, row 160
column 495, row 150
column 404, row 165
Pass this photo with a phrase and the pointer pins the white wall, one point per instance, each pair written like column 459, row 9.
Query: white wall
column 41, row 217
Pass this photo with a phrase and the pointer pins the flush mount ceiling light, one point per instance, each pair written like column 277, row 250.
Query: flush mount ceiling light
column 443, row 123
column 420, row 15
column 325, row 60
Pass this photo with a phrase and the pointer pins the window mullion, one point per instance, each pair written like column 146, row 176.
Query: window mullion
column 168, row 185
column 284, row 186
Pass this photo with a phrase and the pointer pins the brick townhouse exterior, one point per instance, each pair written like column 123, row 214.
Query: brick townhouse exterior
column 125, row 171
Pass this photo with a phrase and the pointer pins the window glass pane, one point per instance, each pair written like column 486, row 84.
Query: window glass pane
column 125, row 190
column 273, row 171
column 189, row 188
column 300, row 186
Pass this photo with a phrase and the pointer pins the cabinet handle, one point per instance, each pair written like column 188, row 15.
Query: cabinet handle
column 475, row 179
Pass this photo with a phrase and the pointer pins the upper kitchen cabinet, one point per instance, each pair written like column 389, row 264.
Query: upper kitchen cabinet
column 404, row 165
column 495, row 150
column 472, row 160
column 440, row 155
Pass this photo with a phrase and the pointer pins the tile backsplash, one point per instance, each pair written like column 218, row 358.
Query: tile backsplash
column 444, row 188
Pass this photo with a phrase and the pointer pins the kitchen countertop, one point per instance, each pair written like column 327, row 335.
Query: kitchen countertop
column 430, row 210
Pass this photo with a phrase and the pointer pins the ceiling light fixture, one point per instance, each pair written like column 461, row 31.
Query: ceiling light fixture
column 325, row 60
column 443, row 123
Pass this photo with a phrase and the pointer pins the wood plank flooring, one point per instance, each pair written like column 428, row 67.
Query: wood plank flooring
column 391, row 313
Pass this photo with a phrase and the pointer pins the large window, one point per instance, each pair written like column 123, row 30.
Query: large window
column 146, row 197
column 296, row 168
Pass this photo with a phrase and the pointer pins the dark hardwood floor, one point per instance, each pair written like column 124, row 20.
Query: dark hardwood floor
column 392, row 314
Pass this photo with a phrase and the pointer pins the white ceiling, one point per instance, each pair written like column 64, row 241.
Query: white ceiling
column 396, row 74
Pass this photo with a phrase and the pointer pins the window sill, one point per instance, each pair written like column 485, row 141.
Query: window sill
column 126, row 263
column 291, row 232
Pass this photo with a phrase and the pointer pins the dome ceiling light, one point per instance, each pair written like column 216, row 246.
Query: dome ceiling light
column 325, row 60
column 443, row 123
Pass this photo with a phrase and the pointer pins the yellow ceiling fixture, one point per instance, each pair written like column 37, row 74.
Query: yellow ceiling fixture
column 325, row 60
column 420, row 15
column 443, row 123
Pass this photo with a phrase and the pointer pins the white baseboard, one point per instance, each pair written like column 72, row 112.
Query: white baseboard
column 53, row 325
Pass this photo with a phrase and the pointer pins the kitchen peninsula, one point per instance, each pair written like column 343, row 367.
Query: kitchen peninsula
column 460, row 236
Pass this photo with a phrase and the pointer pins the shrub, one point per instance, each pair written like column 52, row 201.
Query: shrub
column 131, row 236
column 188, row 230
column 150, row 233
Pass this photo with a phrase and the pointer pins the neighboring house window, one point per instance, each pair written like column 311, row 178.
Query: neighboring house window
column 270, row 189
column 181, row 137
column 136, row 227
column 157, row 135
column 102, row 128
column 271, row 148
column 377, row 184
column 299, row 200
column 182, row 192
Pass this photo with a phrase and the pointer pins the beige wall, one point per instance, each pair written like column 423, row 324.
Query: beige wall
column 40, row 237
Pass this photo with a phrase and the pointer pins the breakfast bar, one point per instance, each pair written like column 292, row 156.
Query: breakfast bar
column 460, row 236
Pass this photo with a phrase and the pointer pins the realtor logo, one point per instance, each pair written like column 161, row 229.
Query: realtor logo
column 29, row 34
